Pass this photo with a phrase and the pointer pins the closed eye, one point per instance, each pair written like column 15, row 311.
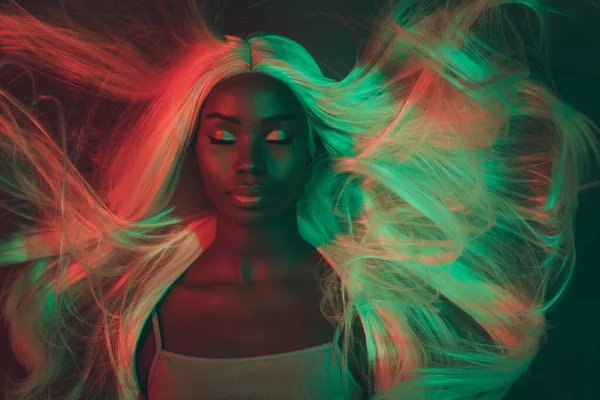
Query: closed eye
column 230, row 142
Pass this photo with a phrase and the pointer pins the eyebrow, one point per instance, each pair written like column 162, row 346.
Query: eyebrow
column 267, row 120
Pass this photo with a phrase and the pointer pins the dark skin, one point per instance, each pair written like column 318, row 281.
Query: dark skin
column 259, row 245
column 260, row 249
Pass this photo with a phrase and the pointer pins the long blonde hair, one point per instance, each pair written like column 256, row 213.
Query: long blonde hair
column 443, row 189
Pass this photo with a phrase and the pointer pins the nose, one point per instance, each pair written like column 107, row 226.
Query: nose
column 250, row 157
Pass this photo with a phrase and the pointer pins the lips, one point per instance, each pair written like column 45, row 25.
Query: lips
column 249, row 191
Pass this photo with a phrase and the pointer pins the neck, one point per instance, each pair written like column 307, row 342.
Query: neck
column 261, row 253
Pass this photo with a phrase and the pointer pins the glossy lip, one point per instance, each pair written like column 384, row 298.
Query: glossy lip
column 244, row 190
column 249, row 202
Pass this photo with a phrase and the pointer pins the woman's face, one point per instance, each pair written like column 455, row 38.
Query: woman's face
column 252, row 131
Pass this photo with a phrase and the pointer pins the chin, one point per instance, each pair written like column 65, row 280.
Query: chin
column 256, row 217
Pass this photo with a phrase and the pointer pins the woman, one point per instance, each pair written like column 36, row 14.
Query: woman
column 248, row 210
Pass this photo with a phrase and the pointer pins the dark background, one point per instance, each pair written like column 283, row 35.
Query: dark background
column 566, row 367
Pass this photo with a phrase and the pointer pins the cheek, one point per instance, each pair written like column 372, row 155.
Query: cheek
column 284, row 168
column 295, row 175
column 210, row 169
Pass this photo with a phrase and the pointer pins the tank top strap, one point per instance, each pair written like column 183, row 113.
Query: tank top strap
column 337, row 336
column 156, row 327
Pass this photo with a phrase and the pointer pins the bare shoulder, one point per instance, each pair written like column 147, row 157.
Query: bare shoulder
column 144, row 354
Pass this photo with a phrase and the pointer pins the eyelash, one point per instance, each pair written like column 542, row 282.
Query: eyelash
column 230, row 142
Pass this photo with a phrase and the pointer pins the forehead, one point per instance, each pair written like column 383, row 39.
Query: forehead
column 252, row 95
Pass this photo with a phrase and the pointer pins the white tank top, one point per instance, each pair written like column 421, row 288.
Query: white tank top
column 314, row 373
